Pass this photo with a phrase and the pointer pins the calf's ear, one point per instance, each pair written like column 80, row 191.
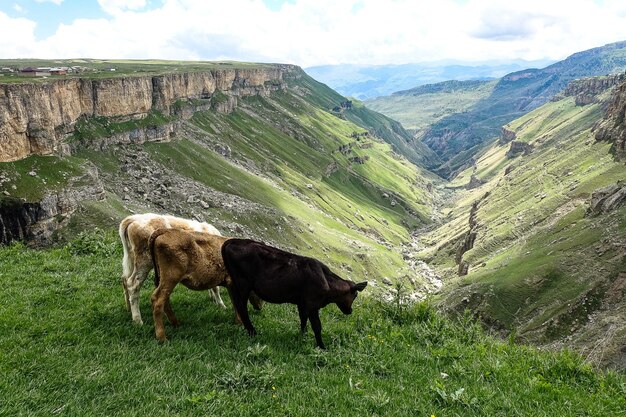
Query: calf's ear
column 360, row 286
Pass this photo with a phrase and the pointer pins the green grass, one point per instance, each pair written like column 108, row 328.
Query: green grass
column 99, row 126
column 422, row 106
column 69, row 347
column 53, row 173
column 99, row 68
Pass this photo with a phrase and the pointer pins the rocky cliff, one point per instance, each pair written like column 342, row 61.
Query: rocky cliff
column 37, row 221
column 586, row 90
column 36, row 118
column 506, row 136
column 612, row 127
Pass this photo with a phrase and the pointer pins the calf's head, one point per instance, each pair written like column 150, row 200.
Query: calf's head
column 345, row 300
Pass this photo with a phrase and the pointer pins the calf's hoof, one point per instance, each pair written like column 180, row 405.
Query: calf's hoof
column 251, row 332
column 138, row 322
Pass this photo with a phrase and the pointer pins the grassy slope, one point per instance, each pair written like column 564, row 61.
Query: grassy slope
column 384, row 127
column 69, row 348
column 535, row 264
column 329, row 207
column 422, row 106
column 52, row 174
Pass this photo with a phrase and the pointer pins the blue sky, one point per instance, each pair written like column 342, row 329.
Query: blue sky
column 309, row 32
column 50, row 14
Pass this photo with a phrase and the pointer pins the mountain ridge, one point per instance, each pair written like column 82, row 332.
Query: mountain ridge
column 367, row 82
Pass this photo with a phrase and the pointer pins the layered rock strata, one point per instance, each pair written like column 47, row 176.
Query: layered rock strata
column 613, row 127
column 36, row 118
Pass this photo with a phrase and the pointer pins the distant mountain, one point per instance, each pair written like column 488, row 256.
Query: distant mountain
column 422, row 106
column 369, row 81
column 458, row 137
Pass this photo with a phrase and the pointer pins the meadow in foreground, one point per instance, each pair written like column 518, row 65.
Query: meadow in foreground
column 69, row 347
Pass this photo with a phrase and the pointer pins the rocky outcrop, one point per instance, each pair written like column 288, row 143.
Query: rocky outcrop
column 506, row 136
column 607, row 199
column 35, row 118
column 474, row 182
column 359, row 159
column 162, row 133
column 469, row 237
column 586, row 90
column 612, row 127
column 519, row 148
column 36, row 222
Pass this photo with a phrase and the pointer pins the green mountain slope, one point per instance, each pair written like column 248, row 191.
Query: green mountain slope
column 539, row 263
column 425, row 105
column 382, row 126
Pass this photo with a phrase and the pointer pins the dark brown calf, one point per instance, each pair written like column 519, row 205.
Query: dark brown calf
column 280, row 277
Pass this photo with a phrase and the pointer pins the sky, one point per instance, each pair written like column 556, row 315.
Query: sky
column 309, row 32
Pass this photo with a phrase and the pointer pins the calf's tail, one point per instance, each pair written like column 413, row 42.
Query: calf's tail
column 127, row 264
column 151, row 243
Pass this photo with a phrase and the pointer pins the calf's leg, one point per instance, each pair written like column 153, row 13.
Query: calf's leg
column 316, row 325
column 125, row 293
column 215, row 296
column 133, row 284
column 170, row 313
column 240, row 301
column 160, row 297
column 304, row 316
column 256, row 301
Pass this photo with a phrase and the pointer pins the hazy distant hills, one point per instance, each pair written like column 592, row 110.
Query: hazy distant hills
column 369, row 81
column 420, row 107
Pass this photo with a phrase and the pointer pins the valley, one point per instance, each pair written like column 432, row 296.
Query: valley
column 521, row 235
column 422, row 208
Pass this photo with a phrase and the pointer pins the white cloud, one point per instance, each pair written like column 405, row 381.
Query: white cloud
column 17, row 39
column 18, row 8
column 57, row 2
column 312, row 32
column 118, row 6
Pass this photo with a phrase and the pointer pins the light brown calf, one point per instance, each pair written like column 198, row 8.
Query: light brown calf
column 135, row 232
column 191, row 258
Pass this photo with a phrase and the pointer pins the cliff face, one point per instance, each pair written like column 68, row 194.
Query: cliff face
column 613, row 127
column 506, row 136
column 37, row 221
column 36, row 118
column 586, row 90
